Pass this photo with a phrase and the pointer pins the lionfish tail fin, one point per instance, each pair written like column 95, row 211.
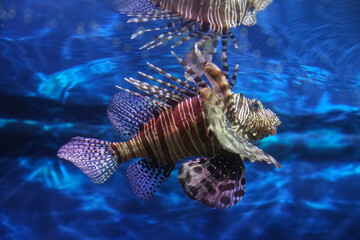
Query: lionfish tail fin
column 218, row 182
column 146, row 175
column 94, row 157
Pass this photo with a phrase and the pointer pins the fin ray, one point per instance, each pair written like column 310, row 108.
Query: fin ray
column 134, row 6
column 146, row 175
column 129, row 112
column 94, row 157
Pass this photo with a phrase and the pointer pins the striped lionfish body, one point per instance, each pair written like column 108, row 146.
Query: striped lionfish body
column 175, row 120
column 207, row 19
column 177, row 133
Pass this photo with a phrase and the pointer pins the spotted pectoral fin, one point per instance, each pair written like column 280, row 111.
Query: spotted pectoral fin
column 218, row 182
column 146, row 175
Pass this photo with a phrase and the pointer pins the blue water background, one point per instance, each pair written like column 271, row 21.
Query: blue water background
column 59, row 64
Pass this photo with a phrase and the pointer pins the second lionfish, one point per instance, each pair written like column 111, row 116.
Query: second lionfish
column 175, row 120
column 207, row 19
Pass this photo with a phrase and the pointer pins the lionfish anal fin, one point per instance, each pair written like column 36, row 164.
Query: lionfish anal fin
column 218, row 182
column 146, row 175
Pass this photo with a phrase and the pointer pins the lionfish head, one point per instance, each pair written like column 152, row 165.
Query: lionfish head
column 251, row 120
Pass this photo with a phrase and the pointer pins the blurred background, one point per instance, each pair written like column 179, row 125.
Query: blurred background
column 59, row 64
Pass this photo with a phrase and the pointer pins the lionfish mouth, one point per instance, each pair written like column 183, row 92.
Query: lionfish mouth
column 275, row 124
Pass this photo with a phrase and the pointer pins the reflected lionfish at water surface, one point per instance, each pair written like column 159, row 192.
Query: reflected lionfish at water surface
column 207, row 20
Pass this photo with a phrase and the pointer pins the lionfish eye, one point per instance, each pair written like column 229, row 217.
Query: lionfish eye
column 255, row 106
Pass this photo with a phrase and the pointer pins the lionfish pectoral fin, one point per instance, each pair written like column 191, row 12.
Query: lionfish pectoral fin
column 233, row 142
column 218, row 182
column 94, row 157
column 219, row 124
column 254, row 153
column 146, row 175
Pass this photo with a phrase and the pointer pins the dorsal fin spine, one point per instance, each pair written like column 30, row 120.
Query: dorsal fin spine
column 175, row 79
column 156, row 91
column 225, row 67
column 157, row 102
column 200, row 84
column 169, row 85
column 216, row 74
column 234, row 76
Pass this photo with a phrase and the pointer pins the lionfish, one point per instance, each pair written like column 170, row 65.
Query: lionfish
column 206, row 19
column 174, row 120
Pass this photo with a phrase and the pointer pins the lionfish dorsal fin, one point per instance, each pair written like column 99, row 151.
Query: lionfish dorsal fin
column 146, row 175
column 200, row 84
column 128, row 113
column 234, row 76
column 167, row 36
column 142, row 31
column 170, row 97
column 218, row 182
column 164, row 92
column 221, row 87
column 224, row 59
